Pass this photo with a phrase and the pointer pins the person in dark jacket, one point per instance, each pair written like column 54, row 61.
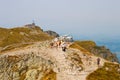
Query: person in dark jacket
column 98, row 61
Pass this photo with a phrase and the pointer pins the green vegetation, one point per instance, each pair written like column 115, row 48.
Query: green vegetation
column 108, row 72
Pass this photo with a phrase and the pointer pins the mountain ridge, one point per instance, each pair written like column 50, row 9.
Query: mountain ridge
column 50, row 64
column 21, row 36
column 30, row 57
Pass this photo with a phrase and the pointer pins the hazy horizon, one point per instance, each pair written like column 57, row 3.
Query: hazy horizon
column 89, row 18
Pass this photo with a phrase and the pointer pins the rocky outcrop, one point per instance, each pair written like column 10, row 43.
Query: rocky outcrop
column 25, row 67
column 105, row 53
column 52, row 33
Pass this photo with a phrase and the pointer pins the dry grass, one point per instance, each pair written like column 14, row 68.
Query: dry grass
column 108, row 72
column 77, row 46
column 22, row 77
column 21, row 35
column 86, row 44
column 51, row 75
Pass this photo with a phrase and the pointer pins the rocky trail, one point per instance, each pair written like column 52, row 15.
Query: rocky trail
column 69, row 65
column 68, row 72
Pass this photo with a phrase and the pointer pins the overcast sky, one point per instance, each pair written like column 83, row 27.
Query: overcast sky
column 83, row 17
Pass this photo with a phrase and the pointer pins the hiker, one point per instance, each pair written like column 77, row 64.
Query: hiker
column 55, row 44
column 58, row 44
column 89, row 61
column 61, row 43
column 51, row 45
column 64, row 46
column 98, row 61
column 56, row 39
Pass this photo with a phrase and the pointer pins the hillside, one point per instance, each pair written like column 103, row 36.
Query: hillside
column 91, row 47
column 34, row 62
column 21, row 36
column 26, row 54
column 109, row 71
column 52, row 33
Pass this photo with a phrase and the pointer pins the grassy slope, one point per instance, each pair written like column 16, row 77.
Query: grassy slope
column 83, row 46
column 21, row 35
column 90, row 46
column 86, row 44
column 108, row 72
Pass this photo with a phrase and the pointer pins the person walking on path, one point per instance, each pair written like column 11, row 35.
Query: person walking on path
column 98, row 61
column 64, row 46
